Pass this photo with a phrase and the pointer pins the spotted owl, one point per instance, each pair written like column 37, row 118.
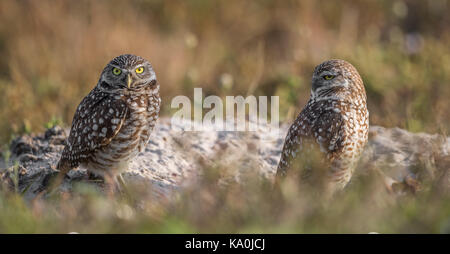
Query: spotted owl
column 113, row 122
column 334, row 122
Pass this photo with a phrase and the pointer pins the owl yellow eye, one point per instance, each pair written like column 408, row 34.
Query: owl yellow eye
column 116, row 71
column 328, row 77
column 139, row 70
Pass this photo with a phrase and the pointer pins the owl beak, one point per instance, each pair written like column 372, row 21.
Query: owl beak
column 129, row 80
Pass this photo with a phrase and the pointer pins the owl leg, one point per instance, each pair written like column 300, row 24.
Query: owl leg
column 59, row 173
column 120, row 182
column 105, row 178
column 110, row 185
column 114, row 182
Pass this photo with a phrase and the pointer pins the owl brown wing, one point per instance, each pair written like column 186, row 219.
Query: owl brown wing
column 313, row 131
column 297, row 137
column 96, row 122
column 329, row 133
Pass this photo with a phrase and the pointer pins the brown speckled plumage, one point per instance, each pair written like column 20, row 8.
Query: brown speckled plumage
column 335, row 120
column 114, row 121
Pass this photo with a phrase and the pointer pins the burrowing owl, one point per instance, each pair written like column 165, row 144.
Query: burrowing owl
column 335, row 120
column 113, row 122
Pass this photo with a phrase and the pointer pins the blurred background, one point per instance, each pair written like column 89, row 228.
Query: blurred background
column 52, row 53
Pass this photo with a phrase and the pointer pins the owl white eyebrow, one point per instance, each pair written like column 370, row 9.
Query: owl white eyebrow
column 138, row 66
column 116, row 66
column 328, row 87
column 325, row 73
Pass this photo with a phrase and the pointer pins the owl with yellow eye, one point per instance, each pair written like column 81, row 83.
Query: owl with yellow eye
column 323, row 145
column 114, row 121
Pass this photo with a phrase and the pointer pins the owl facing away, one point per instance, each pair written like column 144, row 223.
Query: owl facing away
column 113, row 122
column 324, row 143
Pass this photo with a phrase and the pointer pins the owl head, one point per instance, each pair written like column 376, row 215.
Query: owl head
column 127, row 72
column 337, row 79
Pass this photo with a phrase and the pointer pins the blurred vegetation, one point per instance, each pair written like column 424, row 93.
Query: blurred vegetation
column 213, row 205
column 52, row 53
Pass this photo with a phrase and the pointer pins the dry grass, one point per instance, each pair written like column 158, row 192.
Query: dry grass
column 53, row 51
column 212, row 206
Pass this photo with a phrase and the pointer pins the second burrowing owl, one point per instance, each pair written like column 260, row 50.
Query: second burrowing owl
column 114, row 121
column 335, row 121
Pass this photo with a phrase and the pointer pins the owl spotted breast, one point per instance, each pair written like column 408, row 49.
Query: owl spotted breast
column 335, row 122
column 114, row 121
